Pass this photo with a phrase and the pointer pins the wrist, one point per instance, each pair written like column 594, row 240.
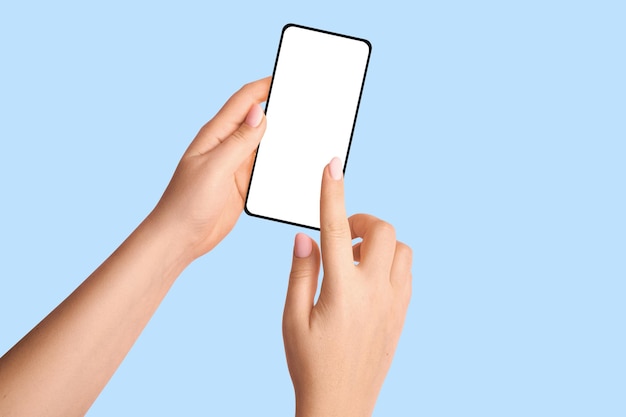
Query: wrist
column 326, row 406
column 168, row 243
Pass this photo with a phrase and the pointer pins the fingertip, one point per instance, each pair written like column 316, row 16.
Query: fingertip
column 335, row 232
column 255, row 116
column 303, row 246
column 332, row 193
column 303, row 279
column 335, row 168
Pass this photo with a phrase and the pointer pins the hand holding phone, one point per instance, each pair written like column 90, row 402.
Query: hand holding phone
column 311, row 112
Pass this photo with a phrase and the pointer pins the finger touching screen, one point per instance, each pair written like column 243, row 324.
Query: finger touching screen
column 311, row 112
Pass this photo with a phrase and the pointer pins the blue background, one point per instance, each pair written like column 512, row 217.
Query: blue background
column 491, row 134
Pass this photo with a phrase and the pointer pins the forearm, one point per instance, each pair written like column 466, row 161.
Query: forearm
column 61, row 366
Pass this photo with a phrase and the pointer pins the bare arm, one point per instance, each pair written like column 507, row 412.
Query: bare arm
column 338, row 349
column 61, row 366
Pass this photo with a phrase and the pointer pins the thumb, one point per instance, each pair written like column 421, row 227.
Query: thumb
column 236, row 148
column 303, row 278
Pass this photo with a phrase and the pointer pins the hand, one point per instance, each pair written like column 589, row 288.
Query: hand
column 340, row 349
column 208, row 190
column 61, row 366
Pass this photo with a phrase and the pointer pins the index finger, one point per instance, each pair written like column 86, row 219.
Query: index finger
column 336, row 240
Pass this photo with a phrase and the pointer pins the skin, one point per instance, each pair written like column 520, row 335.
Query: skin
column 338, row 351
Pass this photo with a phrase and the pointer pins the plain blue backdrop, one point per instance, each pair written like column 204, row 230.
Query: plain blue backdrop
column 491, row 134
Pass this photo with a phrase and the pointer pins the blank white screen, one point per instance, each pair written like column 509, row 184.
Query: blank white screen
column 310, row 116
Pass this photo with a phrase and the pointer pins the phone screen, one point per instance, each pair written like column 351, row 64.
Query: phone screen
column 311, row 112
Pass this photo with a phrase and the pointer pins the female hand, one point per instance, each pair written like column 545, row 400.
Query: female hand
column 60, row 367
column 207, row 192
column 340, row 349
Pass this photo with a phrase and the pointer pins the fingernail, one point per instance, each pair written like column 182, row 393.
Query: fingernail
column 302, row 246
column 336, row 168
column 255, row 115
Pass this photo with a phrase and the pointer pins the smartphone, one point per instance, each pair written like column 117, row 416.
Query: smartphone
column 311, row 112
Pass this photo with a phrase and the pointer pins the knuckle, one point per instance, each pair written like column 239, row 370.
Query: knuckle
column 247, row 89
column 238, row 137
column 299, row 274
column 384, row 230
column 355, row 217
column 334, row 229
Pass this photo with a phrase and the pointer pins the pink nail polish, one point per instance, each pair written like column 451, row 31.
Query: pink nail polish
column 255, row 115
column 302, row 246
column 336, row 168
